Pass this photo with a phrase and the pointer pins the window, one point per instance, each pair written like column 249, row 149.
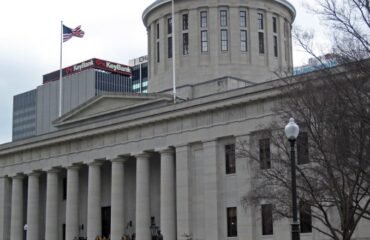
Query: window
column 275, row 46
column 64, row 231
column 185, row 43
column 157, row 33
column 169, row 25
column 265, row 161
column 204, row 41
column 64, row 188
column 243, row 41
column 260, row 21
column 169, row 44
column 274, row 25
column 275, row 36
column 224, row 40
column 185, row 22
column 267, row 223
column 261, row 43
column 243, row 31
column 158, row 52
column 223, row 18
column 261, row 37
column 203, row 19
column 232, row 230
column 243, row 18
column 230, row 158
column 305, row 217
column 302, row 148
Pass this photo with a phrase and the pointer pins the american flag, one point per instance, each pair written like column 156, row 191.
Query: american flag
column 68, row 33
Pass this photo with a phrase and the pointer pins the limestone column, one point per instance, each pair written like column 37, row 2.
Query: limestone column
column 4, row 207
column 142, row 197
column 117, row 198
column 183, row 191
column 168, row 194
column 94, row 201
column 52, row 208
column 211, row 190
column 33, row 207
column 72, row 210
column 16, row 219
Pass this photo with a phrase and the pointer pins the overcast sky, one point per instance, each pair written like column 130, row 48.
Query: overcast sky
column 30, row 40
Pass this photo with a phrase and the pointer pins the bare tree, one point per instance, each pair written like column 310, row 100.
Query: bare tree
column 332, row 107
column 333, row 149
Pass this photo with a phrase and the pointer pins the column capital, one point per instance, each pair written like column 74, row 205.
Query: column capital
column 95, row 163
column 35, row 173
column 120, row 159
column 142, row 155
column 182, row 145
column 167, row 150
column 210, row 141
column 52, row 170
column 73, row 167
column 17, row 176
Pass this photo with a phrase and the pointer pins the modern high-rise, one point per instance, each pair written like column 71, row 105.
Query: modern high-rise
column 139, row 70
column 34, row 111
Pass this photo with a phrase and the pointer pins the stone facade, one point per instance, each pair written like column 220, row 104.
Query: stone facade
column 121, row 163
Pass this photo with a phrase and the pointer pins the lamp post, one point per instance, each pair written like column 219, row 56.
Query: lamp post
column 292, row 131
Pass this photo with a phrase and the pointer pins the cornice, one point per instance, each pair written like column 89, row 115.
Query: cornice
column 159, row 3
column 202, row 104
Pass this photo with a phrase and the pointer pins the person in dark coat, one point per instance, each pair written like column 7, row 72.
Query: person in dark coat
column 159, row 235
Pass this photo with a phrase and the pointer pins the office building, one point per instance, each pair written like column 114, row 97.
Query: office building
column 139, row 70
column 34, row 111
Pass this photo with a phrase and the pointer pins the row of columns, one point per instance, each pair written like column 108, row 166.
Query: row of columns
column 167, row 202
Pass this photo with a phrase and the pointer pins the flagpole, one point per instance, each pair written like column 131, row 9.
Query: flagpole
column 173, row 53
column 61, row 71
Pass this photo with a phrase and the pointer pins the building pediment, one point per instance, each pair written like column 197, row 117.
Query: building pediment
column 107, row 104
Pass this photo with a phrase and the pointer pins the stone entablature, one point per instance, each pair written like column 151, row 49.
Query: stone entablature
column 167, row 126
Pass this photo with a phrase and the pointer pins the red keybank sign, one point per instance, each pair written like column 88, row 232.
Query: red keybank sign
column 92, row 63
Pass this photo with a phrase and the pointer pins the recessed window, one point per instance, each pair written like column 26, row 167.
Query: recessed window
column 230, row 158
column 261, row 42
column 302, row 148
column 275, row 46
column 64, row 231
column 169, row 44
column 169, row 25
column 185, row 22
column 157, row 31
column 204, row 41
column 243, row 41
column 158, row 52
column 64, row 188
column 243, row 18
column 305, row 217
column 223, row 18
column 267, row 223
column 260, row 21
column 185, row 43
column 203, row 19
column 232, row 228
column 224, row 40
column 274, row 24
column 264, row 147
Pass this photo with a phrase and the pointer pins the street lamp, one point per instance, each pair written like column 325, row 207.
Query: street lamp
column 292, row 131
